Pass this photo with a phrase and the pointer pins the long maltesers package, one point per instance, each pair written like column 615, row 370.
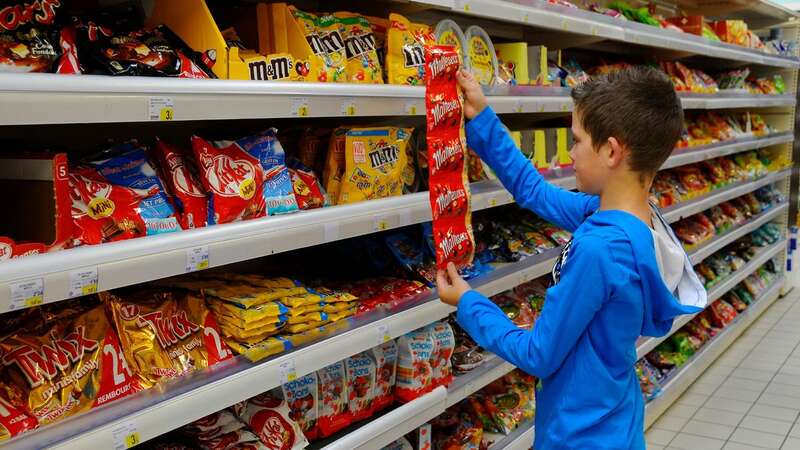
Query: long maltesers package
column 447, row 168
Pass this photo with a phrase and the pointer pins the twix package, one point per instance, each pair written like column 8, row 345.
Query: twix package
column 164, row 334
column 13, row 421
column 73, row 366
column 447, row 153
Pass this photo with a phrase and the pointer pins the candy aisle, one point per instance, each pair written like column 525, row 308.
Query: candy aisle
column 224, row 233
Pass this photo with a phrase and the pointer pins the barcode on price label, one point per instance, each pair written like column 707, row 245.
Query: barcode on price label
column 26, row 294
column 161, row 108
column 83, row 282
column 197, row 259
column 126, row 436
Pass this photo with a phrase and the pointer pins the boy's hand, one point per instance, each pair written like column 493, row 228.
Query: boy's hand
column 451, row 285
column 474, row 99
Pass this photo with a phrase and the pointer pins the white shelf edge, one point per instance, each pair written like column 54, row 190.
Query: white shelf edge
column 396, row 423
column 717, row 196
column 689, row 155
column 686, row 375
column 42, row 99
column 158, row 411
column 645, row 345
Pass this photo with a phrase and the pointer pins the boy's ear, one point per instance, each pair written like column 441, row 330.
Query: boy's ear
column 616, row 153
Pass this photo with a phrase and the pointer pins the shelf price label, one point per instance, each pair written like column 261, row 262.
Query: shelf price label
column 300, row 107
column 381, row 223
column 492, row 202
column 83, row 282
column 287, row 371
column 161, row 109
column 411, row 108
column 383, row 334
column 126, row 436
column 26, row 294
column 197, row 259
column 349, row 107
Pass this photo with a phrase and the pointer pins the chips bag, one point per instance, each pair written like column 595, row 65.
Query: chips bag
column 405, row 56
column 233, row 179
column 360, row 385
column 447, row 168
column 76, row 365
column 166, row 335
column 269, row 417
column 375, row 159
column 414, row 370
column 363, row 64
column 187, row 194
column 385, row 357
column 301, row 396
column 334, row 414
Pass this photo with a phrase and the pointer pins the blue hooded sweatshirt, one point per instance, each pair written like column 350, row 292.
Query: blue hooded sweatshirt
column 608, row 291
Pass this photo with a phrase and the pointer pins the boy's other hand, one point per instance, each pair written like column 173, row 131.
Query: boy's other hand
column 451, row 285
column 474, row 99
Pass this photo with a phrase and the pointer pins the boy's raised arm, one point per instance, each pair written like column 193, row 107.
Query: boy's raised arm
column 568, row 309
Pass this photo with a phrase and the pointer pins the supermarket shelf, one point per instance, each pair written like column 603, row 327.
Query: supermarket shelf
column 598, row 27
column 718, row 242
column 391, row 426
column 691, row 155
column 30, row 99
column 159, row 410
column 139, row 260
column 717, row 196
column 519, row 439
column 645, row 345
column 396, row 423
column 686, row 375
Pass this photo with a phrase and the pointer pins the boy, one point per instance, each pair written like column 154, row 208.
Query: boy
column 621, row 276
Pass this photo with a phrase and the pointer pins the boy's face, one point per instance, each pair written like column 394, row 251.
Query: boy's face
column 591, row 165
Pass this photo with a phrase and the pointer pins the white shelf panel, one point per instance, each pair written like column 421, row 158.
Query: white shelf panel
column 691, row 155
column 717, row 196
column 27, row 99
column 645, row 345
column 718, row 242
column 598, row 27
column 519, row 439
column 686, row 375
column 395, row 424
column 159, row 410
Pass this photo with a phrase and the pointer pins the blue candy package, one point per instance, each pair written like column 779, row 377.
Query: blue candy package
column 129, row 167
column 278, row 190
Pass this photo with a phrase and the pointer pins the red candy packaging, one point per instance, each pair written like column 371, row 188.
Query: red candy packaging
column 447, row 172
column 360, row 385
column 13, row 421
column 233, row 179
column 301, row 396
column 186, row 192
column 385, row 357
column 414, row 370
column 333, row 412
column 268, row 416
column 444, row 343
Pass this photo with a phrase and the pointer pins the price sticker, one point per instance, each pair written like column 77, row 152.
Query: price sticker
column 519, row 108
column 197, row 259
column 467, row 7
column 564, row 25
column 161, row 108
column 594, row 31
column 565, row 107
column 383, row 334
column 26, row 294
column 83, row 282
column 300, row 107
column 331, row 231
column 349, row 107
column 492, row 202
column 126, row 436
column 287, row 371
column 411, row 108
column 541, row 108
column 380, row 224
column 525, row 18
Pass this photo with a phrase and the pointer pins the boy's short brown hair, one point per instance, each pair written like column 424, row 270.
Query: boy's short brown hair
column 636, row 105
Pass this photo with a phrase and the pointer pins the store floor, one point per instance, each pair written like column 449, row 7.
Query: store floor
column 749, row 398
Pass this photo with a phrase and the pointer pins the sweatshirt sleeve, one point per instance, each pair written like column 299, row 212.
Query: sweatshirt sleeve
column 487, row 137
column 568, row 309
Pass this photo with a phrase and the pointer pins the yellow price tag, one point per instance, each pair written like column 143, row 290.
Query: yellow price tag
column 466, row 7
column 302, row 111
column 166, row 114
column 383, row 334
column 525, row 17
column 36, row 300
column 594, row 31
column 202, row 265
column 350, row 110
column 382, row 225
column 492, row 202
column 133, row 439
column 291, row 376
column 565, row 107
column 563, row 24
column 89, row 289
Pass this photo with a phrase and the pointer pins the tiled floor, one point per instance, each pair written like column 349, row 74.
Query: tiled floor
column 749, row 398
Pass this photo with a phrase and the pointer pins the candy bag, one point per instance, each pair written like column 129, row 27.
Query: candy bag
column 363, row 65
column 444, row 344
column 360, row 385
column 722, row 313
column 385, row 357
column 333, row 407
column 269, row 417
column 14, row 420
column 375, row 159
column 335, row 164
column 186, row 192
column 28, row 42
column 307, row 190
column 405, row 56
column 325, row 40
column 414, row 370
column 233, row 179
column 301, row 396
